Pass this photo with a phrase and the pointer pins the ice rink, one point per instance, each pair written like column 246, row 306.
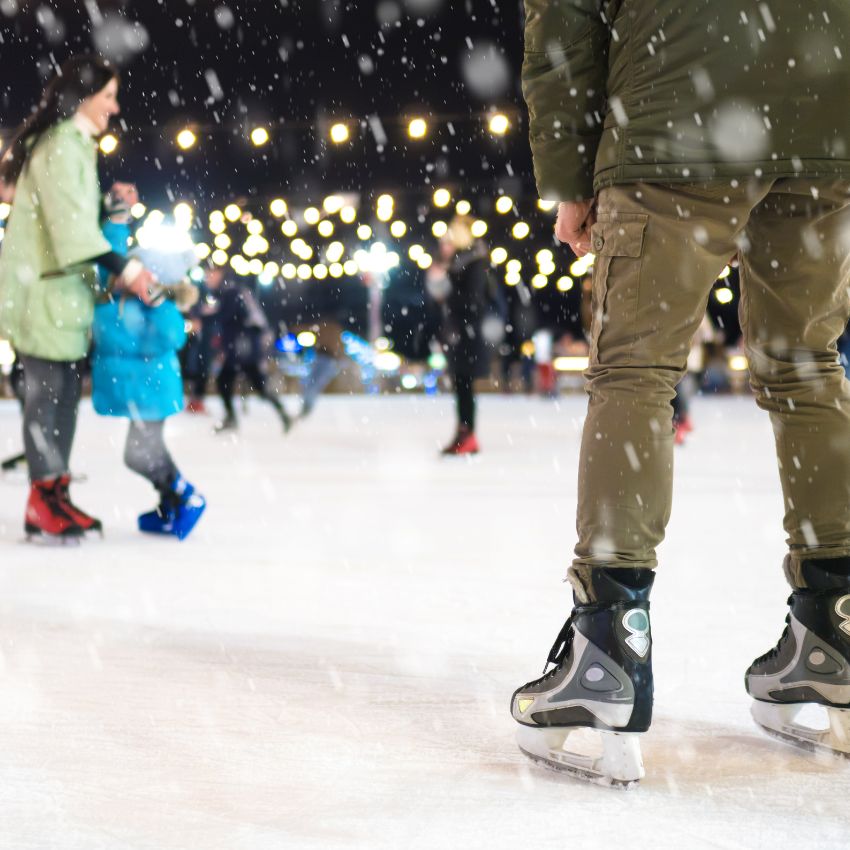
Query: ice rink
column 328, row 661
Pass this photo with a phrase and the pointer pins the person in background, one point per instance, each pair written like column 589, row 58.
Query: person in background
column 458, row 282
column 323, row 364
column 136, row 375
column 198, row 353
column 48, row 276
column 686, row 389
column 245, row 336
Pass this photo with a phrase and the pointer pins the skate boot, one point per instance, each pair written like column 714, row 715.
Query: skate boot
column 14, row 462
column 810, row 666
column 81, row 518
column 178, row 512
column 465, row 443
column 46, row 519
column 601, row 680
column 229, row 423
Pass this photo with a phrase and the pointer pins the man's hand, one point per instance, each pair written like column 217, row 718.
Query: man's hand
column 573, row 225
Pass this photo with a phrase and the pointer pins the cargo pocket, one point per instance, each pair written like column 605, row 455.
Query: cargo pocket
column 617, row 242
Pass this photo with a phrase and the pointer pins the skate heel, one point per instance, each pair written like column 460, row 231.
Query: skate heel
column 618, row 764
column 783, row 721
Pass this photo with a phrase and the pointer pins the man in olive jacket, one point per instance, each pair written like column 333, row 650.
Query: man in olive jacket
column 675, row 135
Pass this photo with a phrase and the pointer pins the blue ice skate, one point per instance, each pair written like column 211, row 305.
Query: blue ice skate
column 178, row 512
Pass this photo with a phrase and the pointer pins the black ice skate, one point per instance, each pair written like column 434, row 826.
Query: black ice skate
column 810, row 666
column 602, row 680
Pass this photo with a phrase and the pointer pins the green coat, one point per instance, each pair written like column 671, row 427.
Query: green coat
column 47, row 280
column 620, row 91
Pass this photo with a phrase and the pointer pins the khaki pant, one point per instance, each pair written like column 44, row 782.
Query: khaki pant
column 659, row 251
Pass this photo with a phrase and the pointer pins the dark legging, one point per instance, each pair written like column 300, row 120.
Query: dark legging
column 51, row 397
column 251, row 370
column 146, row 454
column 465, row 401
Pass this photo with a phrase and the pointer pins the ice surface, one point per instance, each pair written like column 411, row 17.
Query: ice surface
column 328, row 662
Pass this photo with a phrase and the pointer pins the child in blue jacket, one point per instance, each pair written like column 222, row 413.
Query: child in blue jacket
column 136, row 375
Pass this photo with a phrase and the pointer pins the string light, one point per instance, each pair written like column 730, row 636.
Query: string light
column 463, row 208
column 289, row 228
column 326, row 228
column 417, row 128
column 259, row 136
column 398, row 229
column 364, row 232
column 348, row 214
column 442, row 197
column 564, row 284
column 340, row 134
column 278, row 208
column 546, row 205
column 520, row 230
column 479, row 228
column 499, row 124
column 232, row 212
column 439, row 229
column 312, row 215
column 498, row 256
column 108, row 144
column 504, row 205
column 186, row 139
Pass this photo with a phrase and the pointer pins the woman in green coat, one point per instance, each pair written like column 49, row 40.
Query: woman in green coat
column 48, row 275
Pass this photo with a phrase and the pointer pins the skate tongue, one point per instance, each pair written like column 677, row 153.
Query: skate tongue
column 622, row 584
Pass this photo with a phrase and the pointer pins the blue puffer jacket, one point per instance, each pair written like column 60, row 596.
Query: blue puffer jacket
column 135, row 370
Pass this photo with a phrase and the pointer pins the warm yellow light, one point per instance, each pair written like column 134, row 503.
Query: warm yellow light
column 364, row 232
column 306, row 339
column 254, row 226
column 544, row 256
column 289, row 271
column 289, row 228
column 278, row 207
column 137, row 211
column 520, row 230
column 232, row 212
column 108, row 144
column 738, row 363
column 186, row 139
column 504, row 204
column 312, row 215
column 564, row 284
column 350, row 267
column 219, row 257
column 415, row 252
column 582, row 265
column 305, row 272
column 222, row 241
column 514, row 266
column 326, row 228
column 272, row 269
column 387, row 361
column 546, row 205
column 336, row 270
column 572, row 363
column 348, row 214
column 202, row 250
column 463, row 208
column 255, row 266
column 385, row 213
column 320, row 271
column 439, row 229
column 259, row 136
column 512, row 278
column 417, row 128
column 442, row 198
column 479, row 228
column 385, row 201
column 340, row 134
column 539, row 281
column 498, row 256
column 218, row 226
column 332, row 204
column 499, row 124
column 398, row 229
column 725, row 273
column 724, row 295
column 424, row 261
column 334, row 252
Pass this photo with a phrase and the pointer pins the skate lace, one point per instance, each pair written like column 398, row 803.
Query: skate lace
column 774, row 651
column 558, row 652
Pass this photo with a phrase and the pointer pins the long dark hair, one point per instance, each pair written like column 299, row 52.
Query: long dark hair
column 77, row 78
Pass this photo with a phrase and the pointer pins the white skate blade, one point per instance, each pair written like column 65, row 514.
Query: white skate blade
column 782, row 721
column 52, row 540
column 620, row 763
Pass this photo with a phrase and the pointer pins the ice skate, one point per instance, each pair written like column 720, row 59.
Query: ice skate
column 465, row 443
column 88, row 524
column 46, row 521
column 809, row 667
column 228, row 424
column 178, row 512
column 601, row 681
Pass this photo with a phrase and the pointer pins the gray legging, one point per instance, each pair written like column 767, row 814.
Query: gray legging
column 146, row 454
column 51, row 396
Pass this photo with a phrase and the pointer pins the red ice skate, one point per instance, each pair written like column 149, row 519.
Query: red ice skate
column 465, row 443
column 81, row 518
column 196, row 405
column 683, row 427
column 45, row 518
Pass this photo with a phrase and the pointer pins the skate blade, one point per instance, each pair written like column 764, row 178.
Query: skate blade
column 619, row 765
column 780, row 721
column 53, row 540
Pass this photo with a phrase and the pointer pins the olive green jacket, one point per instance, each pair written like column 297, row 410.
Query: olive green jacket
column 47, row 279
column 620, row 91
